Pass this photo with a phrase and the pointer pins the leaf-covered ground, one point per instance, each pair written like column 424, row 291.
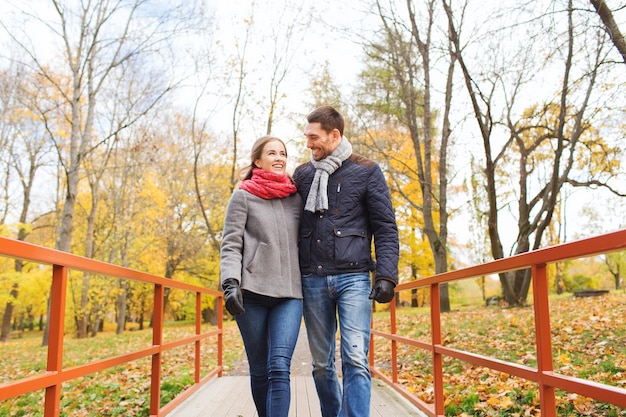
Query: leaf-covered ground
column 120, row 391
column 588, row 340
column 588, row 336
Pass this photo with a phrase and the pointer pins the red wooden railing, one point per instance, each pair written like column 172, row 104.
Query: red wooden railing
column 544, row 375
column 51, row 381
column 548, row 380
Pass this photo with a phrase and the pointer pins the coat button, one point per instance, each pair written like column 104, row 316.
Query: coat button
column 338, row 232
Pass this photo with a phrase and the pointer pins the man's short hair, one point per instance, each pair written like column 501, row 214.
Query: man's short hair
column 328, row 118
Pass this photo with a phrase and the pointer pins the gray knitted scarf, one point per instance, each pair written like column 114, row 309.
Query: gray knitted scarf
column 317, row 200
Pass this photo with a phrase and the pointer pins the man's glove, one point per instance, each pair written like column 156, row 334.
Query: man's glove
column 383, row 291
column 233, row 297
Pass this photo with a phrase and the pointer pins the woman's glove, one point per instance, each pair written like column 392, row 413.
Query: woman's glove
column 383, row 291
column 233, row 297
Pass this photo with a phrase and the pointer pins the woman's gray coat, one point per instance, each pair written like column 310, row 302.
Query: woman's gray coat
column 260, row 244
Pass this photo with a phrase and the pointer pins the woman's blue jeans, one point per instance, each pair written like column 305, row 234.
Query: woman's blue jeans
column 269, row 329
column 327, row 298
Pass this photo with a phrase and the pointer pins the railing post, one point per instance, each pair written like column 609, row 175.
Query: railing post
column 157, row 340
column 198, row 351
column 435, row 325
column 394, row 343
column 543, row 339
column 220, row 336
column 371, row 357
column 55, row 338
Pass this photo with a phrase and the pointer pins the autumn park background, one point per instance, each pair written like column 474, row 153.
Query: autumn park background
column 500, row 127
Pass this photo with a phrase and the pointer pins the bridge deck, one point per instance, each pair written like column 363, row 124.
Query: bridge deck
column 230, row 396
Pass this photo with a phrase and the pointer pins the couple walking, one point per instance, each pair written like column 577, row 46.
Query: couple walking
column 302, row 246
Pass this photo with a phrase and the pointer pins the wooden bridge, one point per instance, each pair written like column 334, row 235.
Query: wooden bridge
column 212, row 394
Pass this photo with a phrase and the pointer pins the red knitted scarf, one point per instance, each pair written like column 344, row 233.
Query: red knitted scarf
column 267, row 184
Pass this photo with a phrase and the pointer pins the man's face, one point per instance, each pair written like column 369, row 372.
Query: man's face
column 320, row 142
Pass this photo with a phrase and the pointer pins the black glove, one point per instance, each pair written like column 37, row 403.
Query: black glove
column 233, row 297
column 383, row 291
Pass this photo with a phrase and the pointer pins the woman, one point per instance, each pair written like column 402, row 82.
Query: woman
column 260, row 274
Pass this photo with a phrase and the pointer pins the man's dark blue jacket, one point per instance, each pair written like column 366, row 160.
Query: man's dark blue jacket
column 339, row 240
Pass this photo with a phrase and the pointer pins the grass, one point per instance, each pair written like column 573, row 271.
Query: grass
column 120, row 391
column 588, row 341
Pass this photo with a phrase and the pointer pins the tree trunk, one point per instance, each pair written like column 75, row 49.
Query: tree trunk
column 5, row 333
column 121, row 307
column 82, row 318
column 611, row 26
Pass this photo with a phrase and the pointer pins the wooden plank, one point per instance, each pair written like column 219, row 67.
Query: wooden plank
column 388, row 403
column 239, row 399
column 306, row 403
column 230, row 396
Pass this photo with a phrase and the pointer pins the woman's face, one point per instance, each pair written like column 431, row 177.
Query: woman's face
column 273, row 157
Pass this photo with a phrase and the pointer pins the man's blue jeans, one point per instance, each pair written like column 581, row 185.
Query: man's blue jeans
column 269, row 329
column 327, row 298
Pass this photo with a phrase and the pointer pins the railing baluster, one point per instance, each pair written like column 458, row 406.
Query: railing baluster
column 435, row 325
column 394, row 343
column 55, row 338
column 197, row 344
column 541, row 305
column 157, row 358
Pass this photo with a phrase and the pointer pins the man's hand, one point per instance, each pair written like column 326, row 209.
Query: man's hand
column 383, row 291
column 233, row 298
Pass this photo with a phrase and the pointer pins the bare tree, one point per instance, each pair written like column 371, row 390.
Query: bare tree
column 239, row 74
column 542, row 147
column 199, row 121
column 97, row 40
column 615, row 263
column 287, row 36
column 25, row 150
column 405, row 53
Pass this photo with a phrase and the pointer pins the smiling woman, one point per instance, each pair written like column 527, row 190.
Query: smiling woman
column 260, row 274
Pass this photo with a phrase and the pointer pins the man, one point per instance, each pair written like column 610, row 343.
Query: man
column 347, row 204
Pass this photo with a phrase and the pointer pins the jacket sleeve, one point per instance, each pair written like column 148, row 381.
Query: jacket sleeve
column 231, row 249
column 384, row 228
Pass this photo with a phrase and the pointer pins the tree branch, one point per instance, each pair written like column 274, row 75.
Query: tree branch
column 611, row 26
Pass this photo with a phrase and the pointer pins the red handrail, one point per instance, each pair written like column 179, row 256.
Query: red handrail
column 56, row 374
column 544, row 374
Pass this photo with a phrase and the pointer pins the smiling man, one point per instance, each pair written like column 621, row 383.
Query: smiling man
column 347, row 204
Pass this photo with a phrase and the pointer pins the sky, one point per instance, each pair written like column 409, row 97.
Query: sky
column 312, row 45
column 318, row 42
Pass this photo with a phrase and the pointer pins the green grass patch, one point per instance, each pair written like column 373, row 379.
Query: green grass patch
column 588, row 340
column 119, row 391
